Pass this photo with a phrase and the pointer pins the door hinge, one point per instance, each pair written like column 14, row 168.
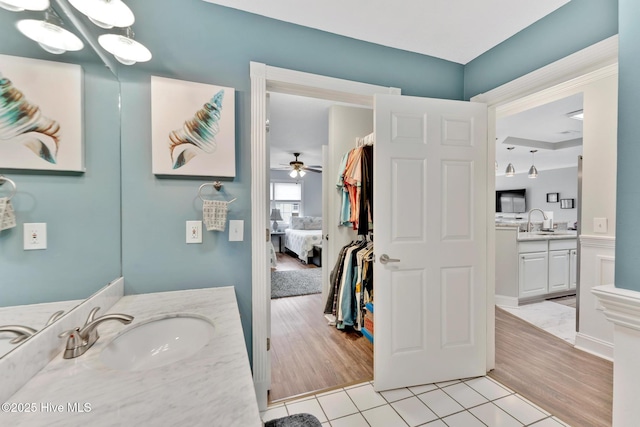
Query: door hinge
column 268, row 344
column 268, row 235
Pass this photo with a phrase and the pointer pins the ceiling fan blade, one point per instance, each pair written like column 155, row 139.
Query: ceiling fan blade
column 313, row 170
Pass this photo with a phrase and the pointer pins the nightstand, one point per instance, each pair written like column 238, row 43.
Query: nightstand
column 280, row 234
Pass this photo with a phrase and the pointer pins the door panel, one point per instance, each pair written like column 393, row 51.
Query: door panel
column 429, row 213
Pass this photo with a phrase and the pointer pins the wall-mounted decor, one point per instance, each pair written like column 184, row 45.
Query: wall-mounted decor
column 192, row 128
column 40, row 115
column 553, row 197
column 567, row 203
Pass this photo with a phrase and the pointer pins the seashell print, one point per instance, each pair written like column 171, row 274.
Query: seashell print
column 19, row 118
column 197, row 134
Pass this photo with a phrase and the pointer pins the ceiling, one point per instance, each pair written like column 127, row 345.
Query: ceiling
column 457, row 31
column 300, row 124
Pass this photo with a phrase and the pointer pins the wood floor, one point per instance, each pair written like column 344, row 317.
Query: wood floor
column 573, row 385
column 287, row 262
column 309, row 355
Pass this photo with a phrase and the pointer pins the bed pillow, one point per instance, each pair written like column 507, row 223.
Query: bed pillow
column 297, row 223
column 313, row 223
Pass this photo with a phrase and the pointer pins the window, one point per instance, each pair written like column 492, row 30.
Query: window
column 287, row 196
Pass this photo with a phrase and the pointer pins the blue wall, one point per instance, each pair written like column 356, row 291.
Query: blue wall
column 628, row 191
column 216, row 46
column 82, row 212
column 575, row 26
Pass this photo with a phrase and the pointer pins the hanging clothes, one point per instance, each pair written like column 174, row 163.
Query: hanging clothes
column 355, row 181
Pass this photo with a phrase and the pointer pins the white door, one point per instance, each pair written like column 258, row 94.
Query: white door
column 324, row 257
column 430, row 214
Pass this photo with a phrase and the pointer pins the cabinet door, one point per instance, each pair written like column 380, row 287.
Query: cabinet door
column 558, row 270
column 532, row 272
column 573, row 259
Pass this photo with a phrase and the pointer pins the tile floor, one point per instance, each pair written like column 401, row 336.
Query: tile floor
column 468, row 403
column 555, row 318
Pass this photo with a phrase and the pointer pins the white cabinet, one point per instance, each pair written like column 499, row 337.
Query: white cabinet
column 559, row 267
column 573, row 257
column 532, row 270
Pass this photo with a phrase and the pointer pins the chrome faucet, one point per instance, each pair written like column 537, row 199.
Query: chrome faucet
column 529, row 217
column 25, row 332
column 81, row 339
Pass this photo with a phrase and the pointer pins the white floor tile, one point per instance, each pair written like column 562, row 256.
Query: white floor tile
column 463, row 419
column 355, row 420
column 488, row 388
column 491, row 415
column 326, row 424
column 338, row 390
column 446, row 383
column 273, row 413
column 337, row 405
column 413, row 411
column 302, row 399
column 397, row 394
column 520, row 410
column 307, row 407
column 436, row 423
column 465, row 395
column 547, row 413
column 365, row 397
column 440, row 403
column 383, row 416
column 548, row 422
column 419, row 389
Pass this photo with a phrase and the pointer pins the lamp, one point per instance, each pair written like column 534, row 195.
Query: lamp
column 126, row 50
column 275, row 216
column 49, row 33
column 510, row 171
column 533, row 172
column 105, row 13
column 22, row 5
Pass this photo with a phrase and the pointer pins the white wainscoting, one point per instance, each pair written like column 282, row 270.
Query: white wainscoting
column 597, row 265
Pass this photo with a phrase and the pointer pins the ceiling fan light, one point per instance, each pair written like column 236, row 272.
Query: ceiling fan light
column 301, row 173
column 105, row 13
column 21, row 5
column 49, row 36
column 293, row 173
column 125, row 49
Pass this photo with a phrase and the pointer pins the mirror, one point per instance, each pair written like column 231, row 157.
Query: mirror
column 81, row 210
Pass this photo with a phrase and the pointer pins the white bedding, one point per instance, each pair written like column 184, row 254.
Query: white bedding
column 301, row 242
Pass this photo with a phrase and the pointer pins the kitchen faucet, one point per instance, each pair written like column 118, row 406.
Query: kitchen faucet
column 81, row 339
column 529, row 217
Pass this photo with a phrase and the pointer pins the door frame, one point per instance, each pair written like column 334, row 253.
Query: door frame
column 266, row 78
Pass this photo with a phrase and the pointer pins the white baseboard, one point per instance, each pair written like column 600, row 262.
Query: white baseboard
column 505, row 301
column 594, row 346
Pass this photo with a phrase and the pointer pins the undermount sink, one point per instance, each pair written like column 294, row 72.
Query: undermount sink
column 157, row 342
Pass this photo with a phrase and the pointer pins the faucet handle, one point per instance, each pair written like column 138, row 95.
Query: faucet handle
column 92, row 315
column 55, row 316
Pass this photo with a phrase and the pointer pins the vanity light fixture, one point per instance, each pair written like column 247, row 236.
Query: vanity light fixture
column 49, row 33
column 22, row 5
column 577, row 115
column 533, row 172
column 126, row 50
column 105, row 13
column 510, row 171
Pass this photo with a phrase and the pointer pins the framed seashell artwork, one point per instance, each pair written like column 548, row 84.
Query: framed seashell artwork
column 192, row 128
column 40, row 115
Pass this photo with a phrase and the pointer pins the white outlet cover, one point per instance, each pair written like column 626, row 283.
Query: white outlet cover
column 194, row 232
column 236, row 230
column 35, row 236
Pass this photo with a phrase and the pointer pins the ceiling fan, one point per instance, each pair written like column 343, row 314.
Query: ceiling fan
column 298, row 169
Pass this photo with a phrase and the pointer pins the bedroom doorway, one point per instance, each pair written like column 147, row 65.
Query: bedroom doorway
column 307, row 352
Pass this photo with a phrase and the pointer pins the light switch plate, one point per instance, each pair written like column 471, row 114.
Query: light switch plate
column 194, row 232
column 35, row 236
column 599, row 225
column 236, row 230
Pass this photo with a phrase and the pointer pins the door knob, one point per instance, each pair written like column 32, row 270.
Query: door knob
column 384, row 258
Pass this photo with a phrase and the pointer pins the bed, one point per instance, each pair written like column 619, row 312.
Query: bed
column 304, row 233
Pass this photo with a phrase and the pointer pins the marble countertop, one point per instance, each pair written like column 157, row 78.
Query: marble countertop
column 565, row 234
column 214, row 387
column 32, row 315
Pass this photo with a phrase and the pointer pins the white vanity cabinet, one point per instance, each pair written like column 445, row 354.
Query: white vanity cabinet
column 533, row 267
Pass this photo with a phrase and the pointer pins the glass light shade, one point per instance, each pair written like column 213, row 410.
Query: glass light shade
column 510, row 171
column 301, row 173
column 50, row 37
column 533, row 172
column 293, row 173
column 105, row 13
column 127, row 51
column 21, row 5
